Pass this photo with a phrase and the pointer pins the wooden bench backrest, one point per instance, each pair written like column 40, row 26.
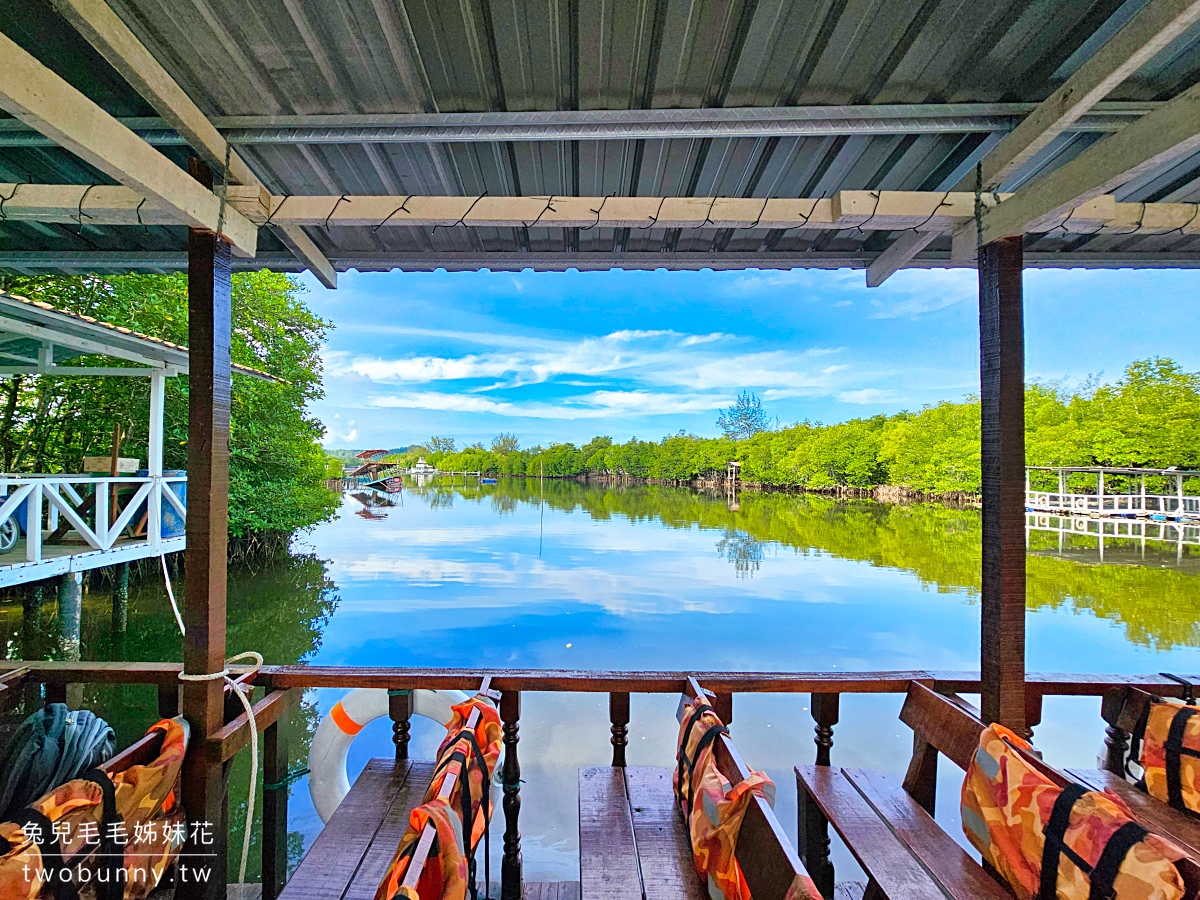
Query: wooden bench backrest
column 945, row 723
column 765, row 854
column 1124, row 709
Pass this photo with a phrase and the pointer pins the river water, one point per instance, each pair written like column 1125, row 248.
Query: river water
column 563, row 575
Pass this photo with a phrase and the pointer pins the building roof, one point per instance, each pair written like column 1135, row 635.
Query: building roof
column 28, row 326
column 647, row 97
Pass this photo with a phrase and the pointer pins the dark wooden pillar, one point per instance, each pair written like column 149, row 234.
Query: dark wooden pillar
column 723, row 706
column 1002, row 392
column 207, row 539
column 511, row 887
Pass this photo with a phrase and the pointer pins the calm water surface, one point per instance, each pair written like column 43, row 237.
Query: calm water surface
column 561, row 575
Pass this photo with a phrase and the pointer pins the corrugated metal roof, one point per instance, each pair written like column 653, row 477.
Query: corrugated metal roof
column 339, row 57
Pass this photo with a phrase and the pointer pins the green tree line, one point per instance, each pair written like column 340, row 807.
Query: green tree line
column 1149, row 417
column 277, row 464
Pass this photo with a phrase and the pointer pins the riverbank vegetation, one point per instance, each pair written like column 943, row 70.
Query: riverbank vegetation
column 1149, row 417
column 277, row 466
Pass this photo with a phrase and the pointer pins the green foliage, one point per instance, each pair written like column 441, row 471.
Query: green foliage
column 277, row 466
column 1148, row 418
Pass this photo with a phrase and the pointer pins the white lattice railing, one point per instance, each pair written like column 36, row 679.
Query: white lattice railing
column 84, row 504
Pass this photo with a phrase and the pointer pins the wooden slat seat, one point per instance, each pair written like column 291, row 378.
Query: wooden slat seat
column 634, row 844
column 888, row 827
column 351, row 854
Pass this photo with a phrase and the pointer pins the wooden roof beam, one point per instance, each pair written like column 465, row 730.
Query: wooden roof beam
column 1153, row 27
column 38, row 97
column 105, row 31
column 930, row 212
column 1154, row 141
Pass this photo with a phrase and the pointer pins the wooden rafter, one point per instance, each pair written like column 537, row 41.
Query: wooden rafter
column 928, row 212
column 105, row 31
column 38, row 97
column 1156, row 140
column 1154, row 26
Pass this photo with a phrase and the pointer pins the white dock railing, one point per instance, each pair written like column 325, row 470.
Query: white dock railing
column 1172, row 505
column 84, row 503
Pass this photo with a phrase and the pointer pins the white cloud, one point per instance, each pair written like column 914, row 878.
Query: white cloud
column 595, row 405
column 336, row 433
column 912, row 293
column 866, row 395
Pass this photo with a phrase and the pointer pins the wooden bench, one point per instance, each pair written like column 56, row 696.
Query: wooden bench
column 1122, row 710
column 889, row 827
column 634, row 844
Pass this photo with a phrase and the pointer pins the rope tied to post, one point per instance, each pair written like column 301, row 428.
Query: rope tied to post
column 226, row 675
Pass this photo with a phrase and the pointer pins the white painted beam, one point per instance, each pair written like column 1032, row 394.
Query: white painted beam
column 1151, row 29
column 105, row 31
column 1155, row 141
column 38, row 97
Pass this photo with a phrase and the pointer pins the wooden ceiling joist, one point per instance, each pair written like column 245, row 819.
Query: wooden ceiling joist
column 1153, row 27
column 105, row 31
column 928, row 212
column 1156, row 140
column 38, row 97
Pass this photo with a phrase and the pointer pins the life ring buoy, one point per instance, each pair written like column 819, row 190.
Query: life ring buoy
column 327, row 780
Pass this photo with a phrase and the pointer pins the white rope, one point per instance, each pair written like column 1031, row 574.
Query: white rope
column 245, row 701
column 171, row 594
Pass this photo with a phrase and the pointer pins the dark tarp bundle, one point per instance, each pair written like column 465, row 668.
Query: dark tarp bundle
column 52, row 746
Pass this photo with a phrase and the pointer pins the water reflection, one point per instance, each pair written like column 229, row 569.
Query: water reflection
column 570, row 575
column 742, row 550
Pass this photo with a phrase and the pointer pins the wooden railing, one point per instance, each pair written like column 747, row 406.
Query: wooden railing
column 281, row 688
column 86, row 506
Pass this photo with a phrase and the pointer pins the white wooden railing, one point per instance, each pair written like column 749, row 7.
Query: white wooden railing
column 57, row 498
column 1174, row 505
column 1180, row 534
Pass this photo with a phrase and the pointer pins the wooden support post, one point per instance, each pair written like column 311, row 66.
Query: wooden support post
column 120, row 598
column 275, row 807
column 825, row 708
column 400, row 708
column 209, row 325
column 70, row 613
column 511, row 866
column 1002, row 392
column 723, row 706
column 618, row 715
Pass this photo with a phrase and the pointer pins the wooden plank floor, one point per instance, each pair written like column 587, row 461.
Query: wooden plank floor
column 350, row 855
column 352, row 852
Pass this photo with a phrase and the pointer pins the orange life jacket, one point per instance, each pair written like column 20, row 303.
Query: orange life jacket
column 1051, row 842
column 70, row 839
column 461, row 820
column 1169, row 739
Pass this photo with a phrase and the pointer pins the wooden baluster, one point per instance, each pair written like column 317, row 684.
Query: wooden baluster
column 400, row 708
column 1116, row 739
column 812, row 839
column 825, row 713
column 511, row 887
column 618, row 714
column 275, row 807
column 168, row 700
column 812, row 828
column 722, row 705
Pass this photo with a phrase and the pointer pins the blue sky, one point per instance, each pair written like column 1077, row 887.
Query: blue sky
column 566, row 356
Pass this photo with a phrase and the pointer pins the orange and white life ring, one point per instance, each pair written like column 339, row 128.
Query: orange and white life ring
column 327, row 780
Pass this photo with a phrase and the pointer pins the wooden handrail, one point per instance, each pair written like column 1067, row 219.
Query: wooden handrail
column 225, row 744
column 593, row 681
